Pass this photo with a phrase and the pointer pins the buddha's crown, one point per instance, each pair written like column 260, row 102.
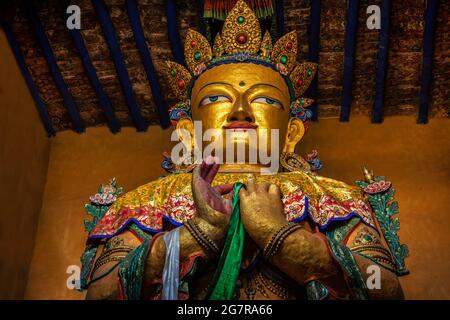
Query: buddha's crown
column 240, row 42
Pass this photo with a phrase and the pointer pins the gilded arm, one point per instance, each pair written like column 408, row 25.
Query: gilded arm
column 303, row 256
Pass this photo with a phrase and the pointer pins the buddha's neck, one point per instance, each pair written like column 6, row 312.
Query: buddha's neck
column 241, row 168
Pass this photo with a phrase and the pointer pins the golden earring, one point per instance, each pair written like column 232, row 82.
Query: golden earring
column 292, row 162
column 187, row 164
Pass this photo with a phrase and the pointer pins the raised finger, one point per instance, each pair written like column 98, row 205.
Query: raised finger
column 251, row 186
column 197, row 173
column 212, row 172
column 202, row 169
column 228, row 202
column 243, row 192
column 224, row 188
column 206, row 166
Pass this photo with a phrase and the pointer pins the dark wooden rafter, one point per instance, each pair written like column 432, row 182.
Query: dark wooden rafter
column 313, row 53
column 173, row 32
column 107, row 80
column 279, row 9
column 349, row 58
column 141, row 44
column 68, row 99
column 34, row 91
column 427, row 59
column 382, row 62
column 91, row 73
column 117, row 56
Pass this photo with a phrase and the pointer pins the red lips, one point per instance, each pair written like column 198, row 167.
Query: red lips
column 240, row 125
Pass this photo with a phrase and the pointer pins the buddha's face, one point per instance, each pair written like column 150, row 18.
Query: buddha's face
column 241, row 100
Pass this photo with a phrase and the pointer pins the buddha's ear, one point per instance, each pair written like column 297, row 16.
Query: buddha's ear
column 185, row 131
column 294, row 134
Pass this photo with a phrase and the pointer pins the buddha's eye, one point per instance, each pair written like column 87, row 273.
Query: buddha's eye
column 269, row 101
column 211, row 99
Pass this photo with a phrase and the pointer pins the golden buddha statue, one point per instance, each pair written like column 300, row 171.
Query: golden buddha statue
column 230, row 230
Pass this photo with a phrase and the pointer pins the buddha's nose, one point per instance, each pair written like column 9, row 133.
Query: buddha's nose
column 241, row 112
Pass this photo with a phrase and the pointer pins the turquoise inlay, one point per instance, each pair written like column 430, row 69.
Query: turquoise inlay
column 385, row 208
column 131, row 271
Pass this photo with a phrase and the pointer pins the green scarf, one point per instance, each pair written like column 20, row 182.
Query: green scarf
column 229, row 265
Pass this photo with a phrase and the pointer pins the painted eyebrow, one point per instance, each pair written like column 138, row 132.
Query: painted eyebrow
column 266, row 84
column 211, row 83
column 269, row 85
column 253, row 86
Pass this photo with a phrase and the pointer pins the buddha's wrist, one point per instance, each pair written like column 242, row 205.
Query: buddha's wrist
column 216, row 233
column 262, row 232
column 273, row 245
column 206, row 237
column 302, row 255
column 188, row 245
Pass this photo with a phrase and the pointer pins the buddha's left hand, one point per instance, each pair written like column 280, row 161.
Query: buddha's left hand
column 262, row 211
column 303, row 255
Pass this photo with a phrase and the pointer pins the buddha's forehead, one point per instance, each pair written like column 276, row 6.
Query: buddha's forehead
column 241, row 76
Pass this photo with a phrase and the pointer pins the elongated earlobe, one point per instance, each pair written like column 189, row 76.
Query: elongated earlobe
column 294, row 134
column 185, row 131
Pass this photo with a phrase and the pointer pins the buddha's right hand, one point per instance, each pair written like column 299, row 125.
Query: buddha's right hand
column 212, row 210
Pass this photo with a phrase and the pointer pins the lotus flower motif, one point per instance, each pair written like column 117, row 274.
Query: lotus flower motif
column 377, row 187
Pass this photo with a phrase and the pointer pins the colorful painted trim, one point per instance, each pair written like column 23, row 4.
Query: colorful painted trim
column 316, row 290
column 328, row 210
column 322, row 199
column 181, row 208
column 344, row 257
column 297, row 110
column 339, row 233
column 131, row 272
column 87, row 261
column 100, row 202
column 385, row 209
